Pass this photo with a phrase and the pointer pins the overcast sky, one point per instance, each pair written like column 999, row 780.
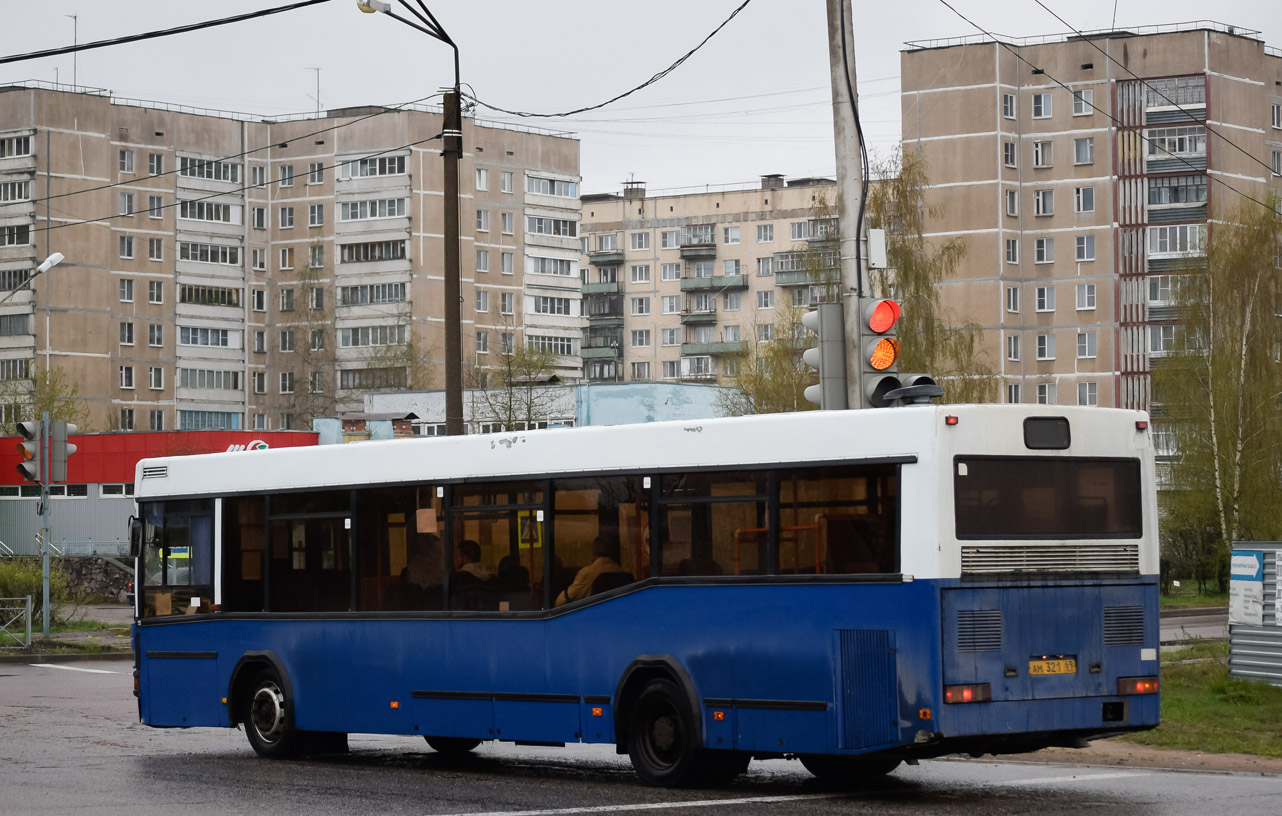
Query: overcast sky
column 754, row 100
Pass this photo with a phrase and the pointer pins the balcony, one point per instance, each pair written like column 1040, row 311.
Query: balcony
column 610, row 352
column 605, row 319
column 712, row 349
column 699, row 242
column 605, row 257
column 698, row 317
column 716, row 283
column 821, row 278
column 610, row 288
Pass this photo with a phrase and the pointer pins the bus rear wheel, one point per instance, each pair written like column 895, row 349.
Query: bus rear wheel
column 849, row 770
column 267, row 719
column 453, row 747
column 660, row 742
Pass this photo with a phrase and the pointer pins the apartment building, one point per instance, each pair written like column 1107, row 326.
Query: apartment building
column 1080, row 171
column 674, row 285
column 225, row 271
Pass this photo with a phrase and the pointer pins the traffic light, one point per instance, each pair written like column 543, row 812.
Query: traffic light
column 30, row 450
column 60, row 449
column 879, row 350
column 828, row 357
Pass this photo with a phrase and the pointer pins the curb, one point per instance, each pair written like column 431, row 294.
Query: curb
column 1194, row 612
column 65, row 658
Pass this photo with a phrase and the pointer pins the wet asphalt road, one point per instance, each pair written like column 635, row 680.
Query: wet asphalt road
column 70, row 742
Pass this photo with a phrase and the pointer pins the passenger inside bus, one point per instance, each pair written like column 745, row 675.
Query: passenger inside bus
column 424, row 571
column 592, row 579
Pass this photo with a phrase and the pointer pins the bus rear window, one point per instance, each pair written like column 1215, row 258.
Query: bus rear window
column 1036, row 497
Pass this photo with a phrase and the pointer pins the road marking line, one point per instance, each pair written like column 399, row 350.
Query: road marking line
column 746, row 800
column 73, row 668
column 1053, row 780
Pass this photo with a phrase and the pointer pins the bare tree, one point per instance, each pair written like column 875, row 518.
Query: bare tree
column 511, row 388
column 49, row 389
column 768, row 375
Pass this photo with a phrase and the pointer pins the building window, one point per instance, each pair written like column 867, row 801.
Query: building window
column 126, row 290
column 155, row 164
column 639, row 240
column 765, row 267
column 730, row 268
column 1041, row 106
column 1087, row 393
column 670, row 337
column 1044, row 250
column 507, row 222
column 127, row 419
column 765, row 233
column 126, row 376
column 482, row 300
column 1084, row 150
column 260, row 218
column 1043, row 202
column 671, row 304
column 507, row 303
column 258, row 175
column 286, row 217
column 640, row 338
column 730, row 235
column 641, row 273
column 1012, row 250
column 1085, row 344
column 126, row 334
column 1046, row 298
column 482, row 260
column 156, row 378
column 482, row 342
column 640, row 306
column 1176, row 239
column 482, row 220
column 1012, row 299
column 1176, row 141
column 1277, row 117
column 1277, row 162
column 671, row 369
column 1046, row 347
column 1085, row 297
column 507, row 263
column 127, row 204
column 670, row 239
column 731, row 301
column 1083, row 102
column 1012, row 202
column 505, row 181
column 287, row 382
column 287, row 340
column 640, row 371
column 126, row 246
column 1009, row 154
column 156, row 335
column 1085, row 248
column 156, row 420
column 155, row 292
column 126, row 161
column 1008, row 106
column 154, row 249
column 318, row 340
column 317, row 384
column 766, row 299
column 1042, row 154
column 260, row 342
column 316, row 256
column 260, row 382
column 1161, row 339
column 670, row 271
column 1084, row 199
column 155, row 206
column 316, row 173
column 1012, row 393
column 315, row 215
column 1012, row 348
column 287, row 300
column 287, row 175
column 1046, row 393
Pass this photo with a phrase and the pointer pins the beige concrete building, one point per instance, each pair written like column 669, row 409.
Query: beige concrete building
column 226, row 271
column 673, row 284
column 1081, row 177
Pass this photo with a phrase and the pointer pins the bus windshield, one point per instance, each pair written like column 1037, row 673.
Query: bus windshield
column 1045, row 497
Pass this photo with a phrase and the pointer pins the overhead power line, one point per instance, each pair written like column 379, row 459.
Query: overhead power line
column 151, row 35
column 645, row 84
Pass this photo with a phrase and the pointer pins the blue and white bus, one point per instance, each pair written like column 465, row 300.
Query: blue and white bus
column 855, row 589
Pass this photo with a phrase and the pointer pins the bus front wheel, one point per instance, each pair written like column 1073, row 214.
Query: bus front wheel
column 660, row 737
column 267, row 721
column 849, row 770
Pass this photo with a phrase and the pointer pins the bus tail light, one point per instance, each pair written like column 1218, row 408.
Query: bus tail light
column 968, row 693
column 1137, row 685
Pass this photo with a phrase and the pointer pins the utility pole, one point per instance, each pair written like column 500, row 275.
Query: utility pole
column 453, row 138
column 852, row 249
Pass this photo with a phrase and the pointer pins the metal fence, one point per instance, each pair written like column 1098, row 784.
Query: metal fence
column 15, row 619
column 1255, row 611
column 67, row 548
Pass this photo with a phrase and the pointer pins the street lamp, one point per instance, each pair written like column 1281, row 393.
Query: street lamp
column 48, row 263
column 452, row 134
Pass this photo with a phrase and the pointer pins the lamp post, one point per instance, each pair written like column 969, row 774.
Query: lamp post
column 48, row 263
column 452, row 134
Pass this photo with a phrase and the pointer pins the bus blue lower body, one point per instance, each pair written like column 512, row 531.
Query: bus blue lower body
column 768, row 667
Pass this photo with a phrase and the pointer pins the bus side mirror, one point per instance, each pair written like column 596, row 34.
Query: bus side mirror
column 135, row 536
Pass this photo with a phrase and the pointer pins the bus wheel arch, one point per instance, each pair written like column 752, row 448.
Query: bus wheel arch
column 656, row 694
column 261, row 698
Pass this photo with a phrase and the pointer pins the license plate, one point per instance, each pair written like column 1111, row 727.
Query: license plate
column 1059, row 665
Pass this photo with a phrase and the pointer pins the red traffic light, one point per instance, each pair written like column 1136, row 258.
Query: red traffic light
column 882, row 315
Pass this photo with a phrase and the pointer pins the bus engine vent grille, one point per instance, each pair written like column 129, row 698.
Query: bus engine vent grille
column 1123, row 625
column 979, row 630
column 1043, row 559
column 155, row 472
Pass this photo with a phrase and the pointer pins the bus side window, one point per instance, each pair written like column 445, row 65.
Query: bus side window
column 497, row 554
column 178, row 557
column 713, row 523
column 601, row 536
column 839, row 520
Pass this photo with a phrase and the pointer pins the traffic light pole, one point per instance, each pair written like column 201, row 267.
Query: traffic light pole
column 46, row 467
column 850, row 182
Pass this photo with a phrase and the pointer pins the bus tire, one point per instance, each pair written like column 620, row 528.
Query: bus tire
column 849, row 770
column 452, row 747
column 660, row 737
column 268, row 719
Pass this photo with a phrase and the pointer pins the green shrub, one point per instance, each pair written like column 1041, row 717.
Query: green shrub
column 25, row 576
